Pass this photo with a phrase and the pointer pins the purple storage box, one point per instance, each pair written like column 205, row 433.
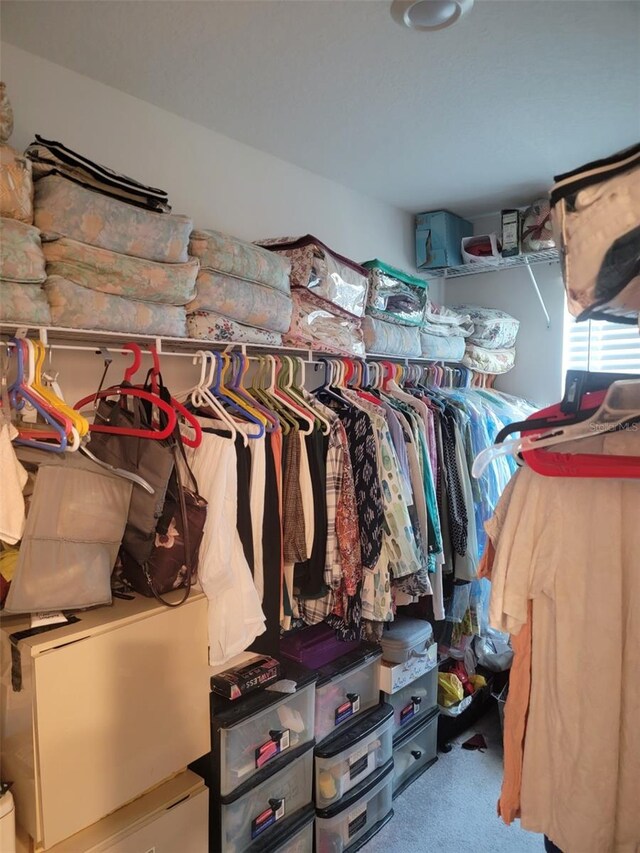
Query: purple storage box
column 315, row 646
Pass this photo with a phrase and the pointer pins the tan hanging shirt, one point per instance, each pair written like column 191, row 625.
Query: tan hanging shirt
column 572, row 547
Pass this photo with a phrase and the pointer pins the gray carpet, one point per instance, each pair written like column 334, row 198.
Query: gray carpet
column 452, row 806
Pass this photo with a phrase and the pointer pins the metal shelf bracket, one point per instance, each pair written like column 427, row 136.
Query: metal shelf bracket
column 538, row 293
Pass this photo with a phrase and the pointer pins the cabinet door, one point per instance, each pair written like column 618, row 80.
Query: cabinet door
column 118, row 712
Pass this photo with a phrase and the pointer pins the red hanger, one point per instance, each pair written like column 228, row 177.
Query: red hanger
column 129, row 391
column 552, row 463
column 179, row 408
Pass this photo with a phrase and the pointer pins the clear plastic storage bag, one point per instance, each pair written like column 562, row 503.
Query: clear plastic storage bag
column 76, row 520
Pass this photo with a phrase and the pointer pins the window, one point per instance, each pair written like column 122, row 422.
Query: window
column 601, row 346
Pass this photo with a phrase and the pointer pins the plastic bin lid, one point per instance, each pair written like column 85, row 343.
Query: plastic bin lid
column 227, row 713
column 284, row 830
column 352, row 660
column 357, row 793
column 357, row 731
column 418, row 723
column 405, row 633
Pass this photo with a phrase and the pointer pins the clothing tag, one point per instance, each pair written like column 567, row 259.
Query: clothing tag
column 267, row 818
column 277, row 743
column 38, row 619
column 357, row 819
column 348, row 708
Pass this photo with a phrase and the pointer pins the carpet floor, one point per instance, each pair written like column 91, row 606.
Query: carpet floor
column 451, row 808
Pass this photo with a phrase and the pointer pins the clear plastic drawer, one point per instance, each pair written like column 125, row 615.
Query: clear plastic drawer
column 345, row 760
column 357, row 817
column 415, row 752
column 415, row 700
column 346, row 687
column 252, row 812
column 249, row 745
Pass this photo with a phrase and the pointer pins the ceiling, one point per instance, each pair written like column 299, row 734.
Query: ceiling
column 473, row 118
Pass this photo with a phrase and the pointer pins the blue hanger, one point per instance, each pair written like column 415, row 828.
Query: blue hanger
column 215, row 389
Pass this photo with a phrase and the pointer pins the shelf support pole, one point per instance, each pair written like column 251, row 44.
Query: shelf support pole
column 538, row 293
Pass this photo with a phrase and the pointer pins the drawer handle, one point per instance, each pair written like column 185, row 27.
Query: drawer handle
column 417, row 754
column 276, row 735
column 416, row 700
column 275, row 803
column 353, row 697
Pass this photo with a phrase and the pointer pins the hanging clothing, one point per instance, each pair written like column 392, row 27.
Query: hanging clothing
column 570, row 546
column 235, row 615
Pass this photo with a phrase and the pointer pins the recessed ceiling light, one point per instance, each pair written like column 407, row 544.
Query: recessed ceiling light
column 428, row 15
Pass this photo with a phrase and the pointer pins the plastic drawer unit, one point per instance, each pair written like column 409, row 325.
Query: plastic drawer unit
column 347, row 825
column 294, row 834
column 254, row 809
column 345, row 760
column 415, row 700
column 345, row 688
column 249, row 733
column 415, row 751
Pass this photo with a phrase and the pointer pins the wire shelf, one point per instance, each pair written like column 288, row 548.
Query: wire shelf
column 477, row 267
column 93, row 340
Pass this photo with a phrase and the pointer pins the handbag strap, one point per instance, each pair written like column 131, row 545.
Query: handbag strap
column 186, row 540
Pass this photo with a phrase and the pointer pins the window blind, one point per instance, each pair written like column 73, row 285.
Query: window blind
column 601, row 346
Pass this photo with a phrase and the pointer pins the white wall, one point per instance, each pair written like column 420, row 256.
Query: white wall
column 221, row 183
column 537, row 374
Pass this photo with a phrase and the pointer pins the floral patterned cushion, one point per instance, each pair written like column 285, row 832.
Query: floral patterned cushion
column 16, row 185
column 209, row 326
column 492, row 329
column 390, row 338
column 121, row 275
column 243, row 301
column 67, row 208
column 21, row 257
column 24, row 303
column 489, row 360
column 77, row 307
column 224, row 254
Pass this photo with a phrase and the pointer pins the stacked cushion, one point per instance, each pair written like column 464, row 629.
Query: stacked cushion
column 385, row 338
column 242, row 290
column 22, row 272
column 111, row 263
column 22, row 264
column 490, row 348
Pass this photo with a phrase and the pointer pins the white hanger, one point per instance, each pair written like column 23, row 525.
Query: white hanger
column 202, row 397
column 621, row 404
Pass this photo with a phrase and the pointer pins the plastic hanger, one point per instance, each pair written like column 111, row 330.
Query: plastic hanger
column 127, row 390
column 79, row 421
column 266, row 368
column 154, row 375
column 201, row 397
column 19, row 393
column 276, row 389
column 620, row 406
column 246, row 406
column 219, row 391
column 239, row 364
column 295, row 393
